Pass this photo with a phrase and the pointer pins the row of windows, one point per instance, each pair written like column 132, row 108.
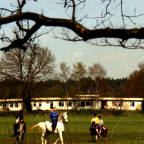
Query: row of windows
column 61, row 104
column 120, row 104
column 86, row 104
column 38, row 104
column 11, row 105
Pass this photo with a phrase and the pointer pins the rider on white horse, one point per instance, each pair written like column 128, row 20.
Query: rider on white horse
column 47, row 128
column 54, row 118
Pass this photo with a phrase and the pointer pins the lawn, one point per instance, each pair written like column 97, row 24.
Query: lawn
column 124, row 129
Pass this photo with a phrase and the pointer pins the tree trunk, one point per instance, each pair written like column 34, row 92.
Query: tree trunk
column 26, row 97
column 67, row 96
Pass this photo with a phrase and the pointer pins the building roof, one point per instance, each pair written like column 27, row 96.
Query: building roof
column 82, row 97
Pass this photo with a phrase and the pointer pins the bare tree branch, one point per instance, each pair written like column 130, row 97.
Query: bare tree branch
column 107, row 29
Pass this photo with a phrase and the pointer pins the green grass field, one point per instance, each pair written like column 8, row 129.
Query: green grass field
column 124, row 129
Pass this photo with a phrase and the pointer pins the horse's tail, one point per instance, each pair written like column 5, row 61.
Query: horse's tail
column 30, row 128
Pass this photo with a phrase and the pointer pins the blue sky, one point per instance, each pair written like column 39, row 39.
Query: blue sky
column 118, row 62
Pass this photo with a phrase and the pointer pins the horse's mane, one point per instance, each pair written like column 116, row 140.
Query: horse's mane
column 60, row 117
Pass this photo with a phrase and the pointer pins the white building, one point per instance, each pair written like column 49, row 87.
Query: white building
column 78, row 102
column 11, row 104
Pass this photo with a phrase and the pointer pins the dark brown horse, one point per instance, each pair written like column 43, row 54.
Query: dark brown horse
column 94, row 132
column 104, row 131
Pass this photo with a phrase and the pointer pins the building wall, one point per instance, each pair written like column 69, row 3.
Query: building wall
column 45, row 105
column 84, row 103
column 12, row 106
column 122, row 105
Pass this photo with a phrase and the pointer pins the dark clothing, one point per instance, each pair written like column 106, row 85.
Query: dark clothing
column 21, row 117
column 53, row 127
column 54, row 118
column 98, row 127
column 53, row 115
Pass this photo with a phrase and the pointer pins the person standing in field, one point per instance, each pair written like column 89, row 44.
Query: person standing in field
column 54, row 118
column 95, row 119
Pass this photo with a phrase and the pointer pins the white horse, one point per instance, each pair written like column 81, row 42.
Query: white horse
column 47, row 128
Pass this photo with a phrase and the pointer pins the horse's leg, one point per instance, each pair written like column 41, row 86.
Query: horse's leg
column 56, row 140
column 92, row 138
column 105, row 137
column 17, row 138
column 45, row 140
column 97, row 137
column 42, row 137
column 22, row 137
column 61, row 138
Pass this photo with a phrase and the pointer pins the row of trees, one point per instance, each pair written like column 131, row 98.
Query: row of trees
column 32, row 73
column 38, row 64
column 19, row 27
column 134, row 86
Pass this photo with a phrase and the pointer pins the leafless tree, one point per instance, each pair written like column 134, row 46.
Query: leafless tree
column 141, row 66
column 64, row 76
column 128, row 31
column 34, row 64
column 79, row 71
column 97, row 72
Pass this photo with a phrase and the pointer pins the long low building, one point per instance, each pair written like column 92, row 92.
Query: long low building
column 78, row 102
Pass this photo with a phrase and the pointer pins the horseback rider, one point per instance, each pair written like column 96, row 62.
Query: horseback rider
column 19, row 120
column 100, row 122
column 95, row 119
column 54, row 118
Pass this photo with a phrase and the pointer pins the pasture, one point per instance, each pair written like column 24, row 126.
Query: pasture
column 124, row 129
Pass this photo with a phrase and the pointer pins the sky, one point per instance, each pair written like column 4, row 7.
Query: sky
column 117, row 61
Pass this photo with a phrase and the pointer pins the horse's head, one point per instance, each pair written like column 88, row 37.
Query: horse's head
column 94, row 129
column 64, row 117
column 93, row 125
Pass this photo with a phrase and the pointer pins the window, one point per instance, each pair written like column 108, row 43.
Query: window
column 16, row 104
column 40, row 104
column 132, row 104
column 83, row 104
column 4, row 105
column 61, row 103
column 11, row 105
column 120, row 104
column 91, row 103
column 69, row 104
column 87, row 103
column 34, row 104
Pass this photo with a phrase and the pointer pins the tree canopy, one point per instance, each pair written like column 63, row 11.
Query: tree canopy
column 120, row 20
